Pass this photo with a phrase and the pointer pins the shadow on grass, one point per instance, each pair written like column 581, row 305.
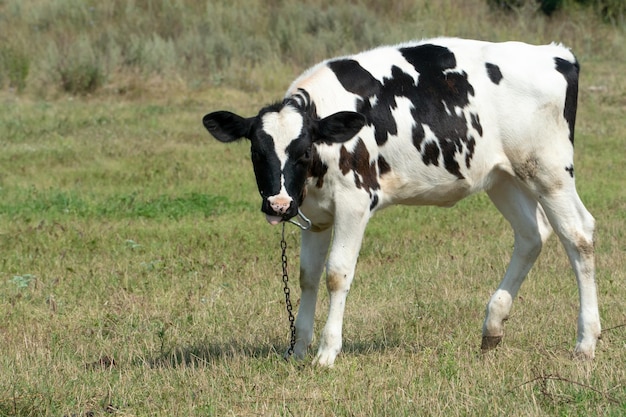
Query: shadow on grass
column 208, row 353
column 203, row 354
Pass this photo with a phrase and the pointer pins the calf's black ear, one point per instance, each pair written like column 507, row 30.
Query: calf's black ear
column 340, row 127
column 226, row 126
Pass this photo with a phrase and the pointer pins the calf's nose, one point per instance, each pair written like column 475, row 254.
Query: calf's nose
column 280, row 205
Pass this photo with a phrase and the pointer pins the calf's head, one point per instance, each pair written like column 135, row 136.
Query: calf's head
column 281, row 139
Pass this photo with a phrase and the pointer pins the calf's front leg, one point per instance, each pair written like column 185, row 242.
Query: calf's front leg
column 313, row 250
column 348, row 235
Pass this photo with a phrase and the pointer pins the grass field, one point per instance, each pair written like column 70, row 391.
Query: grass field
column 138, row 277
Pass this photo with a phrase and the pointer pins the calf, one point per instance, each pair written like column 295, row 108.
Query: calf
column 427, row 122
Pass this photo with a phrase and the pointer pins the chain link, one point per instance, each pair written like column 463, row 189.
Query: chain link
column 292, row 326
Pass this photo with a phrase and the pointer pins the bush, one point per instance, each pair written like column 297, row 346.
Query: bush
column 78, row 67
column 306, row 34
column 545, row 6
column 611, row 11
column 14, row 65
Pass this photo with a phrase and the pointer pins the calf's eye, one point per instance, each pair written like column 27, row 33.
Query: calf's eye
column 306, row 155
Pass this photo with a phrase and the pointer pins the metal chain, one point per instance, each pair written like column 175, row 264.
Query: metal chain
column 292, row 326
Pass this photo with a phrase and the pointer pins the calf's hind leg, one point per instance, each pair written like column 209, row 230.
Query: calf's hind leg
column 575, row 227
column 531, row 229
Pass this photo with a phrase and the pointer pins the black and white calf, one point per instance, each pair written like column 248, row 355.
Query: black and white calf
column 427, row 122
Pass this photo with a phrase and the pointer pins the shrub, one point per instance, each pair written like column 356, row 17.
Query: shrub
column 14, row 65
column 546, row 6
column 611, row 11
column 307, row 34
column 153, row 55
column 78, row 67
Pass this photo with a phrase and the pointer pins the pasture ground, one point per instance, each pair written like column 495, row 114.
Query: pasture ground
column 138, row 277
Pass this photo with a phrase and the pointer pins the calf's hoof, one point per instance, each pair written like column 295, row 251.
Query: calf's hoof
column 584, row 352
column 584, row 356
column 325, row 358
column 489, row 343
column 296, row 354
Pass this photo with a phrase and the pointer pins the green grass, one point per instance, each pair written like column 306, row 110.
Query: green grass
column 138, row 276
